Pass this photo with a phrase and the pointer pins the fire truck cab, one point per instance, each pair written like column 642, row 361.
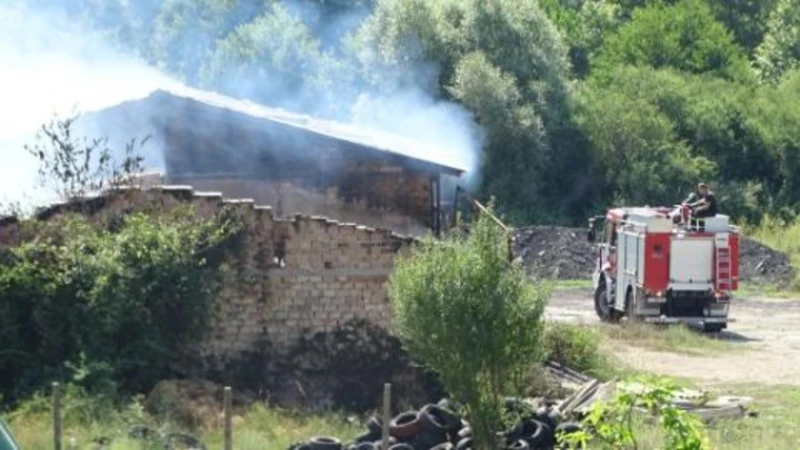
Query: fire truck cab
column 655, row 269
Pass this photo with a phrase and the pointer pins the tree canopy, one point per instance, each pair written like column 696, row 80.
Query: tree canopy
column 583, row 103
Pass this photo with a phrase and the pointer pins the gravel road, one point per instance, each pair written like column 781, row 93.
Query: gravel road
column 768, row 331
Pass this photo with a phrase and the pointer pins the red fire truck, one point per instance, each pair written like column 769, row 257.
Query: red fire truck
column 655, row 266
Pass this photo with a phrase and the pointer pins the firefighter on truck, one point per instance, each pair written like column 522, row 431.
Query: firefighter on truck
column 662, row 265
column 702, row 203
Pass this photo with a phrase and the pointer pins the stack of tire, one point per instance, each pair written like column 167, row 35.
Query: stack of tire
column 437, row 427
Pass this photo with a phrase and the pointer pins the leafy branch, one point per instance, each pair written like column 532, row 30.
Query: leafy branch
column 82, row 166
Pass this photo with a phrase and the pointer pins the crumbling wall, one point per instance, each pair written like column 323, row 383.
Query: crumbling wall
column 289, row 199
column 405, row 206
column 289, row 277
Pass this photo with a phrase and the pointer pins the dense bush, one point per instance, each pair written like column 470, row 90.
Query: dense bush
column 109, row 304
column 473, row 318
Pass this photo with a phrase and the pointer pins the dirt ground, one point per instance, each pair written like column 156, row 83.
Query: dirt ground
column 766, row 329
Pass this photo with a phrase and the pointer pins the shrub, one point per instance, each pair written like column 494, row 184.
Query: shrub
column 612, row 421
column 471, row 316
column 81, row 300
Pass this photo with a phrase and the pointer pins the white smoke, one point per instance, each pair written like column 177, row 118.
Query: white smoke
column 50, row 66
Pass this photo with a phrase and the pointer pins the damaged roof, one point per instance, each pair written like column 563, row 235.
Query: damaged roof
column 433, row 157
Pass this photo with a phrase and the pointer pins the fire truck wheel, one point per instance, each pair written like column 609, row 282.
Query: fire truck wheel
column 629, row 307
column 603, row 308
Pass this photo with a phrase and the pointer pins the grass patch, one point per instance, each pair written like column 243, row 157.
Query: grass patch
column 775, row 428
column 258, row 428
column 579, row 348
column 674, row 338
column 770, row 291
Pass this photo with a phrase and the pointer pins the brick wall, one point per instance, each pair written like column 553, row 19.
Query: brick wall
column 292, row 276
column 289, row 199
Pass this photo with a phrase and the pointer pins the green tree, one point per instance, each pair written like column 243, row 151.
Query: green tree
column 268, row 59
column 186, row 31
column 685, row 36
column 746, row 19
column 719, row 120
column 519, row 63
column 780, row 51
column 472, row 317
column 584, row 25
column 639, row 160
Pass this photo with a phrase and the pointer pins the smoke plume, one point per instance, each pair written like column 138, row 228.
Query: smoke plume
column 51, row 64
column 52, row 67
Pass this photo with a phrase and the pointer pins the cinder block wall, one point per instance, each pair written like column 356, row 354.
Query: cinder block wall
column 291, row 276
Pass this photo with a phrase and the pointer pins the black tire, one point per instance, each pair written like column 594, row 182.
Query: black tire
column 402, row 446
column 536, row 434
column 519, row 445
column 602, row 305
column 324, row 443
column 375, row 426
column 464, row 433
column 568, row 428
column 465, row 444
column 405, row 426
column 366, row 446
column 379, row 442
column 444, row 446
column 436, row 418
column 629, row 307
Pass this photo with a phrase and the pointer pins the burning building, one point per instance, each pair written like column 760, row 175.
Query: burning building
column 296, row 164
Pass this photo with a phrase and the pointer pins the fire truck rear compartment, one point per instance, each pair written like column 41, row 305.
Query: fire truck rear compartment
column 669, row 277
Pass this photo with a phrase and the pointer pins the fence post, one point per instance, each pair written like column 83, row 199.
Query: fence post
column 57, row 427
column 387, row 414
column 227, row 412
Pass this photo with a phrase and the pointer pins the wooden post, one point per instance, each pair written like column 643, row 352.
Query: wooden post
column 227, row 412
column 387, row 414
column 56, row 416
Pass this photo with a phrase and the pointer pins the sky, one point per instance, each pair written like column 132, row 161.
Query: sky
column 49, row 67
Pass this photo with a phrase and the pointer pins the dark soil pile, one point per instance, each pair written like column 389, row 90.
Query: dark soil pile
column 564, row 253
column 555, row 252
column 761, row 264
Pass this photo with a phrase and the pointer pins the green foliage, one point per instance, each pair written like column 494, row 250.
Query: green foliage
column 672, row 76
column 584, row 26
column 576, row 347
column 472, row 317
column 517, row 92
column 637, row 151
column 265, row 58
column 745, row 19
column 780, row 50
column 684, row 36
column 612, row 422
column 116, row 300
